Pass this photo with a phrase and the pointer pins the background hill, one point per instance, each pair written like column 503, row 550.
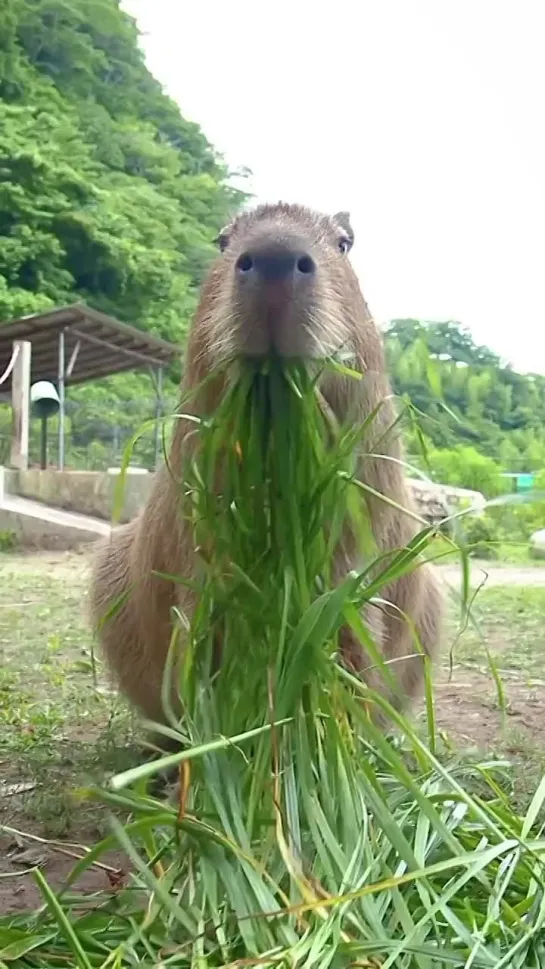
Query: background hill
column 478, row 416
column 109, row 195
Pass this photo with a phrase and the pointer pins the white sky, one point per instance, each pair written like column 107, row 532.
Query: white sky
column 423, row 118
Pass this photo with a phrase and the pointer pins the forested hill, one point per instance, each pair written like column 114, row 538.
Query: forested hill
column 107, row 194
column 471, row 400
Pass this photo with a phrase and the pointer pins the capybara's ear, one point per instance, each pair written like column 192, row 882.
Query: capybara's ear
column 343, row 221
column 222, row 239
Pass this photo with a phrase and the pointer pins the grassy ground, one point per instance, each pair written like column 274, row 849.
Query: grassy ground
column 502, row 555
column 490, row 692
column 59, row 719
column 61, row 727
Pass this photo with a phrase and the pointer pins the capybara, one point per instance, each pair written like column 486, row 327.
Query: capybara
column 282, row 284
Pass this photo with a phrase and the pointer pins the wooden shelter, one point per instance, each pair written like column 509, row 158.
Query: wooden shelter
column 70, row 345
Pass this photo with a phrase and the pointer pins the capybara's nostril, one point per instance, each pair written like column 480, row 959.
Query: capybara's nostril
column 245, row 263
column 274, row 262
column 306, row 265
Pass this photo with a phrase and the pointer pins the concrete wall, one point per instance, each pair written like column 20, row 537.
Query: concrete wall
column 87, row 492
column 94, row 493
column 44, row 532
column 8, row 481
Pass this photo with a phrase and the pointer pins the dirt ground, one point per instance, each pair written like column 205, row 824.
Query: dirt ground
column 70, row 734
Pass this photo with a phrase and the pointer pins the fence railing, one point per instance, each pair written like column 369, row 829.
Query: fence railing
column 96, row 435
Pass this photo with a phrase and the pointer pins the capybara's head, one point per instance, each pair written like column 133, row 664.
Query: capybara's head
column 283, row 285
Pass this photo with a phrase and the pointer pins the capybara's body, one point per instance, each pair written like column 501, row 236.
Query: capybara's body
column 282, row 283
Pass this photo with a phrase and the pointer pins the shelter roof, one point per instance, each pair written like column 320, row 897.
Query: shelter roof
column 95, row 345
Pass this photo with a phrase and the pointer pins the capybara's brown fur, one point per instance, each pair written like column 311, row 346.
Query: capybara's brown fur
column 282, row 283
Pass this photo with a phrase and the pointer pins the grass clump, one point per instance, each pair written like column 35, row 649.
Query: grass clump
column 301, row 835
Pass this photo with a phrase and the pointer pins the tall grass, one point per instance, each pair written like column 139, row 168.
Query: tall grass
column 300, row 834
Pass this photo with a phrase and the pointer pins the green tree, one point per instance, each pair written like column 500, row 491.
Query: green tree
column 448, row 340
column 466, row 396
column 107, row 193
column 465, row 467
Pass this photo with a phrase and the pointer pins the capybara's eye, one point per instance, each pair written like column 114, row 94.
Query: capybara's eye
column 344, row 244
column 222, row 241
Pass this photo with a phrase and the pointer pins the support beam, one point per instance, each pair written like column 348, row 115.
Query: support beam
column 91, row 374
column 109, row 346
column 62, row 366
column 95, row 361
column 73, row 358
column 158, row 414
column 20, row 403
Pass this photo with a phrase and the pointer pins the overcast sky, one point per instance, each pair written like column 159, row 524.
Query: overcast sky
column 425, row 119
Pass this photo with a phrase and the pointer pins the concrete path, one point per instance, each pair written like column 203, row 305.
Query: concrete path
column 42, row 526
column 491, row 574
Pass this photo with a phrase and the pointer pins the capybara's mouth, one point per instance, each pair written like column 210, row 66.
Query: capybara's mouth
column 345, row 356
column 291, row 337
column 340, row 361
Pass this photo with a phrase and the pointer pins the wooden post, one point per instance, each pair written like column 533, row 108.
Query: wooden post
column 158, row 413
column 62, row 375
column 20, row 403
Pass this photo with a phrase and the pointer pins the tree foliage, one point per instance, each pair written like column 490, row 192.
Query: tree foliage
column 472, row 404
column 107, row 194
column 110, row 196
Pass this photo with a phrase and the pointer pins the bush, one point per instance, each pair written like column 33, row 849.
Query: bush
column 8, row 540
column 504, row 530
column 480, row 535
column 465, row 467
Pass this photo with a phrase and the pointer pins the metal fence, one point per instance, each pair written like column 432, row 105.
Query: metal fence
column 96, row 434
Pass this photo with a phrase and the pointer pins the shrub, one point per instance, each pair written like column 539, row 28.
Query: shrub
column 480, row 535
column 465, row 467
column 8, row 540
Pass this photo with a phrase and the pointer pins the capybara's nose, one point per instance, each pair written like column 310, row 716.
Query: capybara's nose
column 274, row 263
